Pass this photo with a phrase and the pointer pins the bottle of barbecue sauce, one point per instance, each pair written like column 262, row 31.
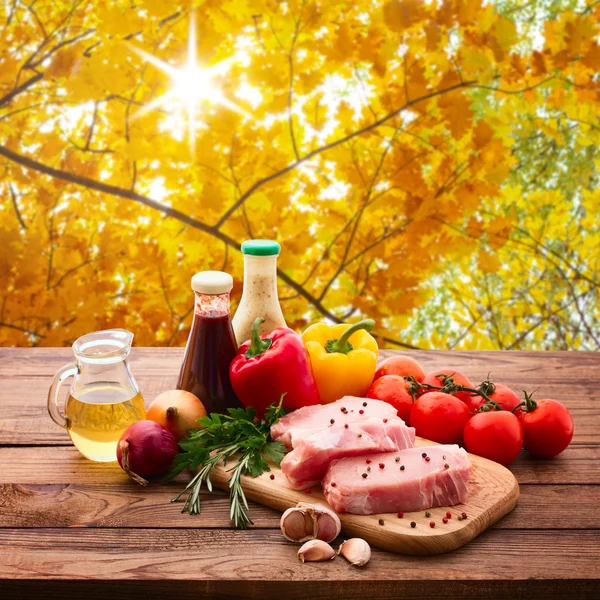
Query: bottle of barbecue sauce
column 211, row 345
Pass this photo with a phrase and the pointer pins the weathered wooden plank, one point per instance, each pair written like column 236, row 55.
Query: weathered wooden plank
column 24, row 419
column 264, row 555
column 534, row 367
column 128, row 505
column 149, row 589
column 64, row 464
column 55, row 486
column 58, row 465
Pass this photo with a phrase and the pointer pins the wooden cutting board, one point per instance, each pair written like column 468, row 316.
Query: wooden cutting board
column 493, row 493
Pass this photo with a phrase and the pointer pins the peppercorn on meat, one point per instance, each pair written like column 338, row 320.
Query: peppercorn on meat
column 409, row 480
column 307, row 421
column 307, row 463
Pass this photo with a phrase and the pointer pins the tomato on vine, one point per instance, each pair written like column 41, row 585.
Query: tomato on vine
column 443, row 377
column 393, row 389
column 495, row 434
column 439, row 417
column 547, row 427
column 404, row 366
column 501, row 394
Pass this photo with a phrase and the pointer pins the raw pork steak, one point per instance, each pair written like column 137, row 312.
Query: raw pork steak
column 387, row 487
column 306, row 421
column 307, row 463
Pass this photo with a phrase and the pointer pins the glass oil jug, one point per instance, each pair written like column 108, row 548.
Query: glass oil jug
column 104, row 398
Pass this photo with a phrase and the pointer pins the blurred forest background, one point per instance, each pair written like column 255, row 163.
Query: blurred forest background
column 431, row 164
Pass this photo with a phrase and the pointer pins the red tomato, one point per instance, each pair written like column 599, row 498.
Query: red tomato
column 439, row 417
column 496, row 435
column 547, row 427
column 436, row 377
column 393, row 390
column 503, row 395
column 400, row 365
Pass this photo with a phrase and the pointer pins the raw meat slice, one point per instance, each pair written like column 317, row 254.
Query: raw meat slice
column 422, row 484
column 307, row 463
column 306, row 421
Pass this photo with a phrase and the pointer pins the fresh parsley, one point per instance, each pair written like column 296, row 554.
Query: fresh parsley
column 236, row 436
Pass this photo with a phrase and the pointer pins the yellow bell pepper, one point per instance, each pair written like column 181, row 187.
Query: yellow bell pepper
column 343, row 358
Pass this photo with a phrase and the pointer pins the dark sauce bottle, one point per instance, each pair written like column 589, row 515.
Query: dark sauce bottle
column 211, row 345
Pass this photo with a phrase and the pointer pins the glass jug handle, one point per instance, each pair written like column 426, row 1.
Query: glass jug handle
column 60, row 376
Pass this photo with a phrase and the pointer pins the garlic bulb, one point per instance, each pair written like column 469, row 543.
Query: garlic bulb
column 310, row 521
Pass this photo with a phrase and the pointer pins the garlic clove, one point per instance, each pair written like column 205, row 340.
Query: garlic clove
column 328, row 526
column 356, row 551
column 295, row 524
column 316, row 550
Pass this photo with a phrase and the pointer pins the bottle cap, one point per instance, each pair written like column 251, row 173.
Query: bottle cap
column 261, row 247
column 212, row 282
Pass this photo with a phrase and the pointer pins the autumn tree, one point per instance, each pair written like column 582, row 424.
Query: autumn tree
column 402, row 153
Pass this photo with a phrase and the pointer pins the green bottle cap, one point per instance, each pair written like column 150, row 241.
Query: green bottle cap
column 261, row 247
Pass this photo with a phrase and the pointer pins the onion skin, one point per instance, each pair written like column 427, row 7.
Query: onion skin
column 177, row 411
column 146, row 450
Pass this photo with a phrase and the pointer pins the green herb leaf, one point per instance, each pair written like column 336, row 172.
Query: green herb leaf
column 236, row 436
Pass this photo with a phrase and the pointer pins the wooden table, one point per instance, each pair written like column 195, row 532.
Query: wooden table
column 70, row 527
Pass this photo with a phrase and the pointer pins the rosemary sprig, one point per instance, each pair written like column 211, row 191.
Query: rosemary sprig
column 235, row 436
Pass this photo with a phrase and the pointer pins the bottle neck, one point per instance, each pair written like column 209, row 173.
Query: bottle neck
column 260, row 275
column 210, row 306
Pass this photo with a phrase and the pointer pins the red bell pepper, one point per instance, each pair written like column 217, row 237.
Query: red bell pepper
column 270, row 365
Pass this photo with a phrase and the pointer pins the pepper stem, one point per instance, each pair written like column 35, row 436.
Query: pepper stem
column 342, row 344
column 257, row 344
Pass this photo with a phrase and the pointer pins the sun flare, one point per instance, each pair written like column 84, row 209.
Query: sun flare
column 191, row 85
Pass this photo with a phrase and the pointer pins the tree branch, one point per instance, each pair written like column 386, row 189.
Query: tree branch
column 22, row 329
column 166, row 211
column 259, row 183
column 21, row 88
column 13, row 197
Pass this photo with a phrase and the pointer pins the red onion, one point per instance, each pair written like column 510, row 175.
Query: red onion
column 146, row 450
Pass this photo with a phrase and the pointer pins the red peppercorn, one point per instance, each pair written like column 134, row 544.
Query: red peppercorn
column 361, row 412
column 271, row 476
column 369, row 461
column 432, row 524
column 449, row 514
column 464, row 515
column 427, row 459
column 444, row 519
column 333, row 484
column 385, row 420
column 381, row 465
column 346, row 425
column 400, row 515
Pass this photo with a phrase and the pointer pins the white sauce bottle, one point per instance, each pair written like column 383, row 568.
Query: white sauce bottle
column 259, row 295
